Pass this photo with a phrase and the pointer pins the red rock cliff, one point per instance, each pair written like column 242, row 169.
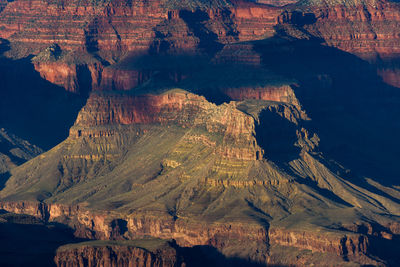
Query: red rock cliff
column 220, row 236
column 364, row 28
column 115, row 255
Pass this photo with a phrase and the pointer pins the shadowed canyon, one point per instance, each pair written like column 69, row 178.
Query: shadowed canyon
column 199, row 133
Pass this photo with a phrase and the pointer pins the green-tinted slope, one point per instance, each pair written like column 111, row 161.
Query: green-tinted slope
column 186, row 171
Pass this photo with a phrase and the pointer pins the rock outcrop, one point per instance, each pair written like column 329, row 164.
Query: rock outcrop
column 121, row 26
column 96, row 25
column 104, row 32
column 177, row 129
column 13, row 152
column 227, row 238
column 365, row 28
column 232, row 161
column 173, row 107
column 160, row 254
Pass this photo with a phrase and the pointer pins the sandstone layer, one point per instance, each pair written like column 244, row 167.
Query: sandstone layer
column 102, row 33
column 142, row 253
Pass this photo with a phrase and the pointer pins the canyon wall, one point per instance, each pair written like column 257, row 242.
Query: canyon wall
column 95, row 26
column 366, row 28
column 103, row 33
column 124, row 26
column 173, row 107
column 111, row 254
column 224, row 237
column 91, row 35
column 100, row 35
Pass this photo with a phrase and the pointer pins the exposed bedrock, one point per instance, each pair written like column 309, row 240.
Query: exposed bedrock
column 227, row 238
column 118, row 254
column 173, row 107
column 96, row 26
column 367, row 29
column 120, row 79
column 245, row 176
column 238, row 169
column 79, row 79
column 103, row 33
column 103, row 225
column 122, row 26
column 282, row 94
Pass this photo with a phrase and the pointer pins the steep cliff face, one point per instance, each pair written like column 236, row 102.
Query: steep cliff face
column 254, row 21
column 230, row 239
column 91, row 35
column 135, row 253
column 109, row 30
column 283, row 94
column 78, row 79
column 196, row 152
column 127, row 26
column 96, row 25
column 366, row 28
column 117, row 79
column 234, row 161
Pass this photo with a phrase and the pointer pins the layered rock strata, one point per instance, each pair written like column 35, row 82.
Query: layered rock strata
column 118, row 254
column 179, row 107
column 366, row 28
column 106, row 226
column 113, row 132
column 117, row 25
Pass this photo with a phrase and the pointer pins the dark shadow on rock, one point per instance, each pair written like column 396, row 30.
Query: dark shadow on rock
column 385, row 249
column 352, row 110
column 84, row 79
column 33, row 108
column 3, row 179
column 185, row 71
column 199, row 256
column 277, row 136
column 119, row 227
column 27, row 241
column 379, row 247
column 91, row 36
column 5, row 148
column 324, row 192
column 195, row 21
column 300, row 19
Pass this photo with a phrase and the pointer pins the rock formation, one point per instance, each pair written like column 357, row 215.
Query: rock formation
column 176, row 130
column 254, row 128
column 138, row 253
column 13, row 152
